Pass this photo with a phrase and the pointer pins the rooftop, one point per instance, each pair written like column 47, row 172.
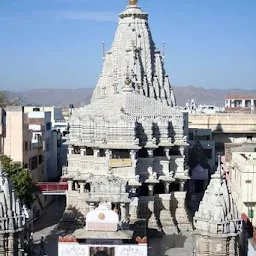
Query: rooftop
column 240, row 97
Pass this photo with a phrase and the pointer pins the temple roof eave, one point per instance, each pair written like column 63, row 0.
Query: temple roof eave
column 119, row 234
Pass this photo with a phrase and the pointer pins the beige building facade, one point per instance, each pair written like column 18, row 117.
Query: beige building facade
column 242, row 169
column 226, row 127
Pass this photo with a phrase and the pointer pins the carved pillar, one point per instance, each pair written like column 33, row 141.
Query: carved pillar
column 182, row 150
column 2, row 245
column 133, row 157
column 123, row 212
column 151, row 189
column 70, row 150
column 21, row 243
column 182, row 185
column 167, row 188
column 167, row 152
column 10, row 250
column 91, row 207
column 96, row 152
column 83, row 151
column 81, row 187
column 150, row 153
column 70, row 184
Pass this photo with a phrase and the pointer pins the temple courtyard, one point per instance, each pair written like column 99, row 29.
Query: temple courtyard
column 171, row 243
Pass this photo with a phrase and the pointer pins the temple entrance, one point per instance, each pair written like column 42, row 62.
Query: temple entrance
column 159, row 189
column 159, row 151
column 143, row 153
column 143, row 190
column 102, row 253
column 175, row 186
column 89, row 152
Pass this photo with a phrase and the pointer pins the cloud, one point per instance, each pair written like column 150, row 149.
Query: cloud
column 92, row 16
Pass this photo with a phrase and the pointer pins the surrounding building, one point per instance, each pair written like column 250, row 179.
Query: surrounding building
column 56, row 112
column 27, row 138
column 204, row 137
column 226, row 128
column 103, row 234
column 20, row 144
column 240, row 103
column 242, row 171
column 41, row 127
column 13, row 229
column 128, row 147
column 193, row 108
column 217, row 221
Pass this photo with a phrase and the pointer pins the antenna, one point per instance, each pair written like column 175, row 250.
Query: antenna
column 103, row 50
column 163, row 50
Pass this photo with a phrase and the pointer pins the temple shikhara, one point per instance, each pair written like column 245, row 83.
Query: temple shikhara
column 128, row 146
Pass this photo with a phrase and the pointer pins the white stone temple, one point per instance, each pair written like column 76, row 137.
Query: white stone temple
column 128, row 147
column 217, row 222
column 12, row 219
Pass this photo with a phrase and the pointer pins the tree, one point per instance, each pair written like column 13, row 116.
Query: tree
column 20, row 178
column 5, row 101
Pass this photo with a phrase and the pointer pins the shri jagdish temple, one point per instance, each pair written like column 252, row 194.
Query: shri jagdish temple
column 128, row 146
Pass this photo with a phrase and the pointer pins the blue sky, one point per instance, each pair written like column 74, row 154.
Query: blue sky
column 57, row 43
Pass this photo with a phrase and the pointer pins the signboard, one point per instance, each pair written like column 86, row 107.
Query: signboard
column 76, row 249
column 126, row 162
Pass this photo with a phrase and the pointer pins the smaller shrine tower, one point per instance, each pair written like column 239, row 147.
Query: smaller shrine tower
column 217, row 223
column 12, row 219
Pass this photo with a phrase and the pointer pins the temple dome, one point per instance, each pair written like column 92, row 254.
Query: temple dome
column 133, row 53
column 12, row 217
column 215, row 214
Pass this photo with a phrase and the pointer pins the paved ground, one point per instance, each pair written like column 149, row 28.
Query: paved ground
column 171, row 244
column 45, row 227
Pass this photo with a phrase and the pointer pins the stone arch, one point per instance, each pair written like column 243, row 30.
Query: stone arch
column 159, row 188
column 142, row 153
column 88, row 187
column 159, row 151
column 89, row 151
column 143, row 190
column 102, row 153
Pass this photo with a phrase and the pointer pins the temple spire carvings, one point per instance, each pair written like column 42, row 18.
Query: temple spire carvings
column 134, row 50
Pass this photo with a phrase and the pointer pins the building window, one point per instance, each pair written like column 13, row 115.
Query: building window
column 33, row 163
column 26, row 166
column 26, row 146
column 250, row 213
column 40, row 159
column 248, row 181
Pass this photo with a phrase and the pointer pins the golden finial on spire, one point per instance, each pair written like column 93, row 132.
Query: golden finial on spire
column 132, row 2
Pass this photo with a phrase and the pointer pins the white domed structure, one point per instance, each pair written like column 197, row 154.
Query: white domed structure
column 12, row 219
column 217, row 222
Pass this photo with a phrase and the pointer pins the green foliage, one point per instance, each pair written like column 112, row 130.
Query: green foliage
column 5, row 101
column 20, row 178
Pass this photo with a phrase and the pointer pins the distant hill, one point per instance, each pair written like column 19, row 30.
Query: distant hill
column 80, row 97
